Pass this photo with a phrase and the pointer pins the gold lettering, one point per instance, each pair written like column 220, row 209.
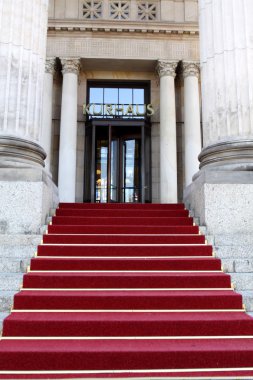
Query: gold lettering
column 150, row 110
column 138, row 113
column 94, row 110
column 129, row 110
column 86, row 109
column 109, row 109
column 120, row 108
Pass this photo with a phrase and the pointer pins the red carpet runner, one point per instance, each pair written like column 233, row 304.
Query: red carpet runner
column 126, row 291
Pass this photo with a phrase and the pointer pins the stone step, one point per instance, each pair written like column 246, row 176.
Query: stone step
column 6, row 300
column 18, row 246
column 8, row 265
column 11, row 281
column 233, row 240
column 234, row 252
column 248, row 300
column 242, row 281
column 2, row 317
column 237, row 266
column 19, row 240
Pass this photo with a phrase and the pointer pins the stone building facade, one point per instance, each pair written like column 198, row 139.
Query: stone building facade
column 109, row 58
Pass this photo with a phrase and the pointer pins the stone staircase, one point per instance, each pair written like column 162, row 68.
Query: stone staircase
column 236, row 253
column 16, row 251
column 15, row 254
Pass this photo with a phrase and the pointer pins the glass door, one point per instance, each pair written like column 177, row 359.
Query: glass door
column 131, row 169
column 119, row 165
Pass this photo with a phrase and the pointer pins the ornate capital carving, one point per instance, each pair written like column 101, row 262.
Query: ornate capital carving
column 191, row 69
column 50, row 66
column 70, row 65
column 166, row 68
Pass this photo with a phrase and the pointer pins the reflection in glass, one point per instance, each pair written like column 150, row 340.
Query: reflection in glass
column 111, row 95
column 101, row 170
column 125, row 96
column 96, row 95
column 131, row 171
column 114, row 170
column 138, row 96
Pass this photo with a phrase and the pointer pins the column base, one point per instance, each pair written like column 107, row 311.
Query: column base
column 27, row 194
column 222, row 200
column 16, row 152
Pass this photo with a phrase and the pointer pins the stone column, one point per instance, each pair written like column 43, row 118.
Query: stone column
column 168, row 141
column 226, row 39
column 192, row 132
column 68, row 131
column 26, row 191
column 221, row 194
column 22, row 46
column 46, row 134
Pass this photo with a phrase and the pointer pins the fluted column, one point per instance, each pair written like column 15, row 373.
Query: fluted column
column 46, row 133
column 168, row 141
column 192, row 132
column 68, row 130
column 221, row 194
column 226, row 41
column 22, row 45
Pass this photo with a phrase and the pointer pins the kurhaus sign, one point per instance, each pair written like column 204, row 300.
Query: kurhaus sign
column 95, row 109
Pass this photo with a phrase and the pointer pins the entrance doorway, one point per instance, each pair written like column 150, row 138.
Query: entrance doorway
column 118, row 162
column 117, row 142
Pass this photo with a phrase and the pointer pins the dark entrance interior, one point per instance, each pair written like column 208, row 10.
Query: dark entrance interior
column 117, row 152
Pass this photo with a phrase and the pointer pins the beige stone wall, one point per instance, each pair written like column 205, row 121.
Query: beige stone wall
column 124, row 45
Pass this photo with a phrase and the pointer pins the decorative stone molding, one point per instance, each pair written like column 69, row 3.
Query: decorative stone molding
column 231, row 155
column 16, row 152
column 112, row 25
column 191, row 69
column 92, row 9
column 119, row 10
column 70, row 65
column 166, row 68
column 50, row 67
column 147, row 11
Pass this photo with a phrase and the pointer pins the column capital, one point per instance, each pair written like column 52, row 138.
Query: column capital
column 70, row 65
column 166, row 68
column 50, row 66
column 191, row 68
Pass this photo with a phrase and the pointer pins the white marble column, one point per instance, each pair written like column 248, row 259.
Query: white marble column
column 168, row 141
column 26, row 192
column 221, row 194
column 23, row 47
column 192, row 132
column 226, row 45
column 46, row 133
column 68, row 131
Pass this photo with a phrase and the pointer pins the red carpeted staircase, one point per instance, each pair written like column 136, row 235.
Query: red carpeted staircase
column 126, row 290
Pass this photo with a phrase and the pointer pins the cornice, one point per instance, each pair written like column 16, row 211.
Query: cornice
column 108, row 26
